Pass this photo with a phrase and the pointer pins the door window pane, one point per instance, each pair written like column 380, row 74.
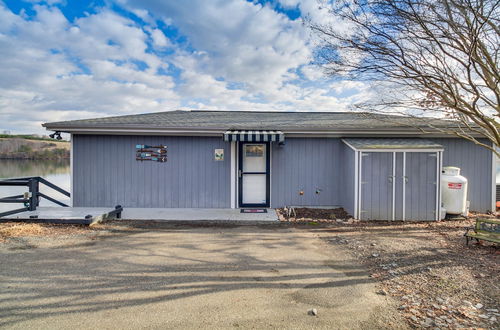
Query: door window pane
column 254, row 158
column 254, row 189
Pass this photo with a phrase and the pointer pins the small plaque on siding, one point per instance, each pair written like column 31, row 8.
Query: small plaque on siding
column 219, row 154
column 145, row 152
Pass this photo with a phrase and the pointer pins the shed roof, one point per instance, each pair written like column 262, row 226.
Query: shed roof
column 396, row 144
column 222, row 121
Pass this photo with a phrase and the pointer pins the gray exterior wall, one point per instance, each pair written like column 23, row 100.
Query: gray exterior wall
column 305, row 164
column 105, row 172
column 347, row 178
column 476, row 165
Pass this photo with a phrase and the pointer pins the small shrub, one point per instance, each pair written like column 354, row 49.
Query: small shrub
column 25, row 148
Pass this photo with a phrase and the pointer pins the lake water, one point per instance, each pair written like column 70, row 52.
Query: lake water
column 55, row 171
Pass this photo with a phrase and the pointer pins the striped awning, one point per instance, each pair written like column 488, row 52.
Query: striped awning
column 255, row 136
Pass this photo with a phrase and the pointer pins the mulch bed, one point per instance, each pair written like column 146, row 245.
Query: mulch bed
column 304, row 214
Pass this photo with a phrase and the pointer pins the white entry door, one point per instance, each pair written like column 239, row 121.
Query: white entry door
column 254, row 174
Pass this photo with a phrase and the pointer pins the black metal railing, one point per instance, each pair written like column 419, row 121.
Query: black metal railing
column 31, row 199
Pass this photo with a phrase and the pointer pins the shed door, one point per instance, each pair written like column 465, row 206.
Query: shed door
column 399, row 185
column 420, row 185
column 376, row 185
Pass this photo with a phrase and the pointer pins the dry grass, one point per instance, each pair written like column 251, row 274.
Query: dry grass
column 17, row 229
column 13, row 144
column 21, row 229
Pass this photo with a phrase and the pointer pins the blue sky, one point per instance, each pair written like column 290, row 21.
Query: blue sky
column 64, row 60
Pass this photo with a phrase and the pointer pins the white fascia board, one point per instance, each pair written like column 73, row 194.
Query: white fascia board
column 107, row 131
column 366, row 133
column 349, row 145
column 392, row 149
column 400, row 150
column 220, row 131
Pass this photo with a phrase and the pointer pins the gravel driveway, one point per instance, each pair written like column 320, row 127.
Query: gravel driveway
column 188, row 277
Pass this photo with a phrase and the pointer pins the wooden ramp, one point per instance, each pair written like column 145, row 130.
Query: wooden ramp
column 67, row 215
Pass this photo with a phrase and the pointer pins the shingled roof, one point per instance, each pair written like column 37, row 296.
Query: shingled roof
column 220, row 121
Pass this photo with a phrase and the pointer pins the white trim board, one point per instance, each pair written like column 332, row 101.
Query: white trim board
column 237, row 180
column 219, row 132
column 270, row 146
column 394, row 186
column 356, row 184
column 349, row 145
column 439, row 160
column 493, row 181
column 71, row 172
column 400, row 150
column 234, row 169
column 404, row 187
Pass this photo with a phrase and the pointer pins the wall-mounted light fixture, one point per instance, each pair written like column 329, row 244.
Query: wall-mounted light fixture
column 56, row 135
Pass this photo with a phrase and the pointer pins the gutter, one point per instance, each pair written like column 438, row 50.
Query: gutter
column 311, row 132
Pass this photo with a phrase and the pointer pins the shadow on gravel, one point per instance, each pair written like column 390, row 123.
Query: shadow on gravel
column 153, row 262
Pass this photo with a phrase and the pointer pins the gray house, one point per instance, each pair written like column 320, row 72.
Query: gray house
column 375, row 166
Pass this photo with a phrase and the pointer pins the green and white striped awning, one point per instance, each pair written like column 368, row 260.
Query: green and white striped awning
column 254, row 136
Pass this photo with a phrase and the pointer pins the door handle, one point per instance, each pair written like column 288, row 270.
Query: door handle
column 391, row 178
column 239, row 173
column 406, row 179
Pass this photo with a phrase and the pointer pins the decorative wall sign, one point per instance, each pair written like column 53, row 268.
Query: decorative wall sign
column 219, row 154
column 151, row 153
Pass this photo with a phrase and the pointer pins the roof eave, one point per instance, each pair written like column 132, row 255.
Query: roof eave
column 311, row 132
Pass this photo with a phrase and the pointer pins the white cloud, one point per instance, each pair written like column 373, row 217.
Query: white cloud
column 53, row 69
column 234, row 55
column 312, row 72
column 159, row 39
column 243, row 41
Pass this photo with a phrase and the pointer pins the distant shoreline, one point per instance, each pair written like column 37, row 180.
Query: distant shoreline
column 32, row 157
column 18, row 147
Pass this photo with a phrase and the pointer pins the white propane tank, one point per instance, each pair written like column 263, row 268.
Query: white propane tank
column 454, row 191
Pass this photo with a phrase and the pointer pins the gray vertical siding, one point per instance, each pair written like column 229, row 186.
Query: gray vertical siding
column 347, row 179
column 420, row 191
column 106, row 172
column 399, row 180
column 305, row 164
column 376, row 188
column 475, row 163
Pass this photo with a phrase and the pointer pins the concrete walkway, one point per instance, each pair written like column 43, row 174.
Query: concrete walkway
column 212, row 215
column 61, row 213
column 156, row 214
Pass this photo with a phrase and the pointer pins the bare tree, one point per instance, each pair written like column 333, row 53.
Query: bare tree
column 440, row 56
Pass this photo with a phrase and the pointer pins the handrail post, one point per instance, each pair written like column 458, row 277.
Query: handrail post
column 33, row 188
column 33, row 201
